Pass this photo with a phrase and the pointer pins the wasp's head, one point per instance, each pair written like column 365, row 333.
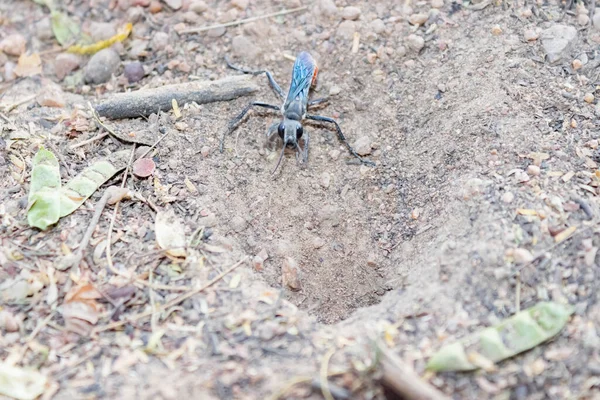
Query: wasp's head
column 290, row 131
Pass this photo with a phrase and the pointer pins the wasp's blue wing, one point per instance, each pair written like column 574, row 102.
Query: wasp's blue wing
column 303, row 75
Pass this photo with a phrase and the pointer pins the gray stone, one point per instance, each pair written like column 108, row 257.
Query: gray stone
column 101, row 66
column 557, row 41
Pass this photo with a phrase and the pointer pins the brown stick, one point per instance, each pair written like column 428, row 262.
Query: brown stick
column 404, row 381
column 146, row 102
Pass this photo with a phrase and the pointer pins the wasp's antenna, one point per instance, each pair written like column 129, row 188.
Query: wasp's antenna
column 280, row 157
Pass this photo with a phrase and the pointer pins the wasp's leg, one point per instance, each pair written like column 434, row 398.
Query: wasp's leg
column 302, row 154
column 276, row 88
column 272, row 136
column 233, row 123
column 341, row 136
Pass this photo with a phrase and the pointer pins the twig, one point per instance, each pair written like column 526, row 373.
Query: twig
column 172, row 302
column 154, row 145
column 83, row 143
column 97, row 118
column 9, row 108
column 147, row 101
column 114, row 216
column 336, row 391
column 403, row 381
column 299, row 380
column 39, row 327
column 323, row 375
column 243, row 21
column 518, row 294
column 90, row 230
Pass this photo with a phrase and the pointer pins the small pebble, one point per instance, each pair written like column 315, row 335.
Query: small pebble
column 351, row 13
column 415, row 42
column 155, row 7
column 334, row 154
column 101, row 66
column 64, row 64
column 290, row 274
column 198, row 6
column 415, row 214
column 583, row 19
column 496, row 30
column 377, row 26
column 401, row 51
column 363, row 146
column 325, row 179
column 13, row 45
column 526, row 13
column 522, row 256
column 317, row 243
column 238, row 224
column 372, row 261
column 335, row 90
column 174, row 4
column 588, row 98
column 134, row 72
column 533, row 170
column 159, row 41
column 577, row 64
column 596, row 18
column 328, row 8
column 418, row 19
column 437, row 3
column 205, row 151
column 508, row 197
column 530, row 35
column 346, row 29
column 240, row 4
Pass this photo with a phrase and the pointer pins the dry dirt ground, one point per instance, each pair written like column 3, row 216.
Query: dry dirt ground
column 469, row 124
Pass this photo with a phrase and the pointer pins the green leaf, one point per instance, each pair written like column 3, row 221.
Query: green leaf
column 20, row 383
column 81, row 187
column 44, row 191
column 516, row 334
column 65, row 29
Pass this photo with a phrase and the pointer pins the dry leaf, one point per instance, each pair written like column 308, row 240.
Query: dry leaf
column 81, row 310
column 170, row 233
column 29, row 65
column 21, row 383
column 525, row 211
column 176, row 109
column 564, row 235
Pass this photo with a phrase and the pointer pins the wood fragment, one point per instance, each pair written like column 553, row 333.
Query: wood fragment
column 242, row 21
column 403, row 381
column 145, row 102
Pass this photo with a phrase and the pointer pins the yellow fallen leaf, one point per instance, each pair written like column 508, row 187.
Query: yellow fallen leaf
column 96, row 47
column 564, row 235
column 190, row 185
column 176, row 109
